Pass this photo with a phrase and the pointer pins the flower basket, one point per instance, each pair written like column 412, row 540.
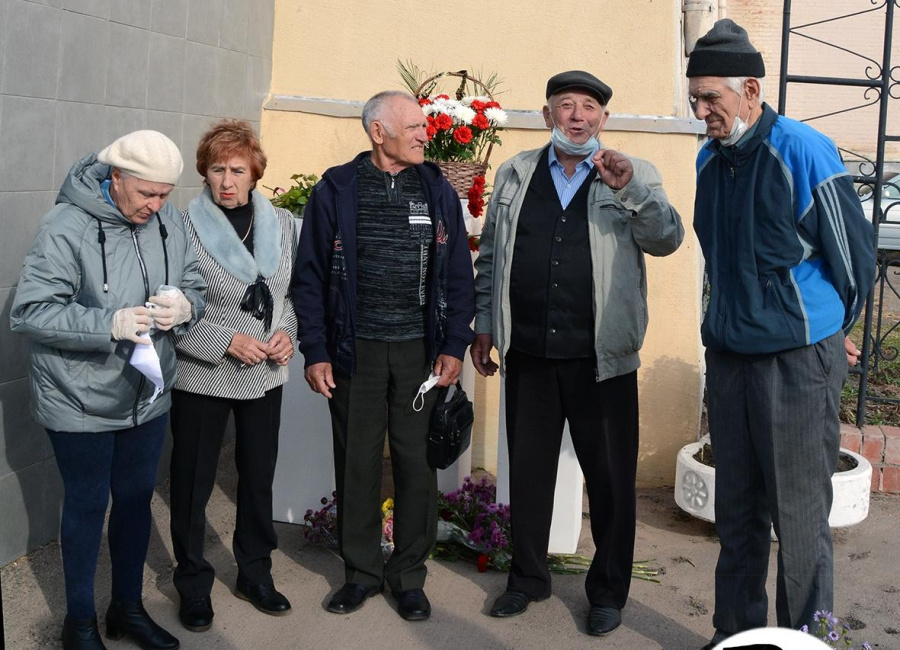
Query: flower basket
column 462, row 174
column 462, row 131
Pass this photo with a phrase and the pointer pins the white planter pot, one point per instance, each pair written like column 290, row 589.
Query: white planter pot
column 695, row 488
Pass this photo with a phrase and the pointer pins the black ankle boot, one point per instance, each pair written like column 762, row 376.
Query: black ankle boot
column 130, row 618
column 81, row 634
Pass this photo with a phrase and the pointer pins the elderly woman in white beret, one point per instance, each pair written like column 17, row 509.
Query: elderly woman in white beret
column 233, row 362
column 112, row 275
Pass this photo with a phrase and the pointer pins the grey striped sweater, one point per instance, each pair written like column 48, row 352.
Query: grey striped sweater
column 228, row 268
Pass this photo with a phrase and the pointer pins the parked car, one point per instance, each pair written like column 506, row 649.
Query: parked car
column 889, row 226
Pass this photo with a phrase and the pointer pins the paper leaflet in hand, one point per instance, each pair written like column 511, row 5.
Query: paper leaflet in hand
column 146, row 361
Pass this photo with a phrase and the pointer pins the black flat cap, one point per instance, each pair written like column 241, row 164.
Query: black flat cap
column 579, row 79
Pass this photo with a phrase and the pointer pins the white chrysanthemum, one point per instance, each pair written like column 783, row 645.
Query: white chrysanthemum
column 497, row 116
column 428, row 109
column 464, row 114
column 443, row 105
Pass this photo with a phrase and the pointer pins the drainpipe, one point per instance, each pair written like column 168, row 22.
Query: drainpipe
column 699, row 16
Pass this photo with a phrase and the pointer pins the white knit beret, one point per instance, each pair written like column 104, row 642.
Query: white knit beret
column 148, row 155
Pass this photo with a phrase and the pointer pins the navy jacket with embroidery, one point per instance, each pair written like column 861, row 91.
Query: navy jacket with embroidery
column 324, row 284
column 789, row 253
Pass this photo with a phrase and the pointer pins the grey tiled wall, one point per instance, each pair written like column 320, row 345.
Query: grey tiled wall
column 75, row 75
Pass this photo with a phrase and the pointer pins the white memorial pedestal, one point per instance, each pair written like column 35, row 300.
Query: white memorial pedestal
column 567, row 502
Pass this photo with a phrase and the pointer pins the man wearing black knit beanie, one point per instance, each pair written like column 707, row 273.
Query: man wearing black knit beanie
column 790, row 261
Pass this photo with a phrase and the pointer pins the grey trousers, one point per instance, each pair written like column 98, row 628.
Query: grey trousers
column 773, row 420
column 378, row 398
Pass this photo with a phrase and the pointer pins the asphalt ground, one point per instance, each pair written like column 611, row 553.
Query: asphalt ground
column 675, row 613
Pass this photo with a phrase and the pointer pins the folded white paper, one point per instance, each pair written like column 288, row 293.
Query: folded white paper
column 146, row 361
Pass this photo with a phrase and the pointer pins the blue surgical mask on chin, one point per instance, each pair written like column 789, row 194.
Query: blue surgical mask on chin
column 559, row 140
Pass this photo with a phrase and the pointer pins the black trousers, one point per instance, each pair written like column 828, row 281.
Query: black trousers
column 541, row 395
column 773, row 420
column 198, row 426
column 378, row 398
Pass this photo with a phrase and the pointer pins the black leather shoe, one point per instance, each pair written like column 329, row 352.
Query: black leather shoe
column 413, row 605
column 718, row 637
column 196, row 613
column 129, row 618
column 350, row 597
column 603, row 620
column 265, row 598
column 512, row 603
column 81, row 634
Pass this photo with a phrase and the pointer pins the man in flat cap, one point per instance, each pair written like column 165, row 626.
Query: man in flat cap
column 561, row 293
column 110, row 275
column 790, row 261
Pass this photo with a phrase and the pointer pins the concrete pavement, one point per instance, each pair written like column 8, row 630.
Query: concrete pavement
column 673, row 614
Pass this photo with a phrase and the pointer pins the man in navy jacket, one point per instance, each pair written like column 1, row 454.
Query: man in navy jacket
column 790, row 261
column 384, row 293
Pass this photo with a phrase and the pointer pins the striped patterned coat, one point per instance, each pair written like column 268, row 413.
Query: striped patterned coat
column 228, row 268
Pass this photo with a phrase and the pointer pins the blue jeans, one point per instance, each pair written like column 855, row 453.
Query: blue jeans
column 92, row 465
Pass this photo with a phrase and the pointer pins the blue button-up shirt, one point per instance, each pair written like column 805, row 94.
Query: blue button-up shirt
column 565, row 186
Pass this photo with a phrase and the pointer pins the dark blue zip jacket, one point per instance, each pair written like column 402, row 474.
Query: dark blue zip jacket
column 324, row 285
column 789, row 253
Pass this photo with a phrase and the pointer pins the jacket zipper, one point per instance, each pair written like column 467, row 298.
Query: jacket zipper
column 137, row 249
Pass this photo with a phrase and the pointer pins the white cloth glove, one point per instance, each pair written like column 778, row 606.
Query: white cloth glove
column 170, row 308
column 129, row 322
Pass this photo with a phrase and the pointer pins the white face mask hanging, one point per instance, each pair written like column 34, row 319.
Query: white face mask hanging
column 738, row 127
column 426, row 386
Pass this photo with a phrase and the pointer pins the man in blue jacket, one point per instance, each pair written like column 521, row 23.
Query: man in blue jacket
column 790, row 261
column 384, row 293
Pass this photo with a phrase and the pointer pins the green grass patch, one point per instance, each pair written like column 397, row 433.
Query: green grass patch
column 884, row 383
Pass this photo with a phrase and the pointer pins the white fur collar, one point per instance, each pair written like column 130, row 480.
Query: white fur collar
column 221, row 241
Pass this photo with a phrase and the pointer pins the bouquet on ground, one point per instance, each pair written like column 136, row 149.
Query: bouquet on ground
column 832, row 631
column 471, row 526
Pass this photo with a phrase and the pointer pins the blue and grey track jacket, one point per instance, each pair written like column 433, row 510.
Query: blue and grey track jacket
column 789, row 253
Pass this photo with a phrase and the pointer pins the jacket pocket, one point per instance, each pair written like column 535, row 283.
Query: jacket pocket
column 774, row 301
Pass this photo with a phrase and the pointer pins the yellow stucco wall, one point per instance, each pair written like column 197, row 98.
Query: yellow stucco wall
column 347, row 51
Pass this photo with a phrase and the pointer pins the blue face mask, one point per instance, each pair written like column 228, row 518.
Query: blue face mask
column 564, row 144
column 559, row 140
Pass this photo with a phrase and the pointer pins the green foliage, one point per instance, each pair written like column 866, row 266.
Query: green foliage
column 413, row 77
column 885, row 383
column 297, row 195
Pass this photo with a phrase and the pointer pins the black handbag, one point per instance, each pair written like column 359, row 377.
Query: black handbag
column 450, row 430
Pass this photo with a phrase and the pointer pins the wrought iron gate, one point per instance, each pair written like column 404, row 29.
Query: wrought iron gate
column 879, row 83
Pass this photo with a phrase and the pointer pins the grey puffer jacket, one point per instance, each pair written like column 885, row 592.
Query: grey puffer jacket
column 622, row 226
column 81, row 379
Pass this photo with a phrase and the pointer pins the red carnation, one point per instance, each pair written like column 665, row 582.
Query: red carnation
column 478, row 105
column 424, row 101
column 442, row 96
column 462, row 134
column 480, row 122
column 431, row 131
column 482, row 563
column 492, row 105
column 443, row 121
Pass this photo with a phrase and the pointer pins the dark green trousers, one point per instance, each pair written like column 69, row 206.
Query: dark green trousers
column 375, row 401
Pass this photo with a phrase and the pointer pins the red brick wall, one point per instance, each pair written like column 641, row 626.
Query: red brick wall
column 856, row 130
column 881, row 447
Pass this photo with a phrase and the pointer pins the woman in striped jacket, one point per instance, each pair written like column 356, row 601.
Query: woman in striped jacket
column 234, row 360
